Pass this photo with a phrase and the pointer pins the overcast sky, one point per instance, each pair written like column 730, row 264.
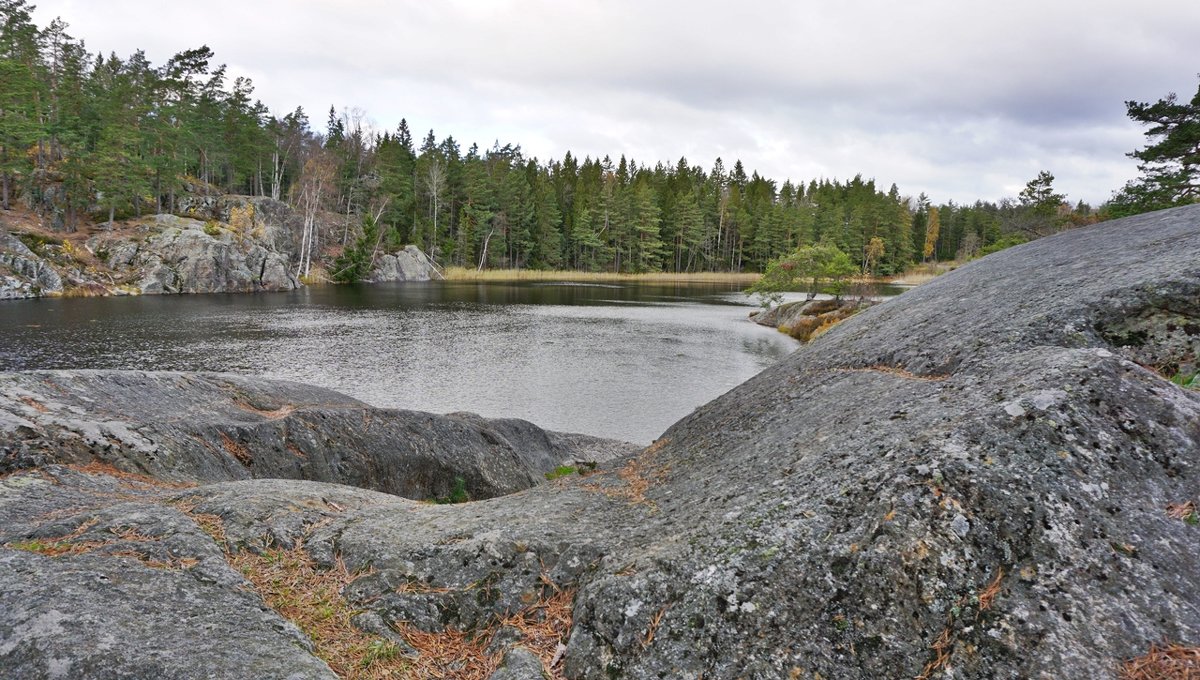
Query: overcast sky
column 960, row 99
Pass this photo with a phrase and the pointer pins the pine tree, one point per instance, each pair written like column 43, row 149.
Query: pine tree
column 1170, row 164
column 21, row 97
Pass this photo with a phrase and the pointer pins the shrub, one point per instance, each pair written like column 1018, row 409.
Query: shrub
column 458, row 493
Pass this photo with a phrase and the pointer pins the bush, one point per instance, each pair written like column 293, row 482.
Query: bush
column 1005, row 242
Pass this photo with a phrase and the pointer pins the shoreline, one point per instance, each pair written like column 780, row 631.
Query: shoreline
column 461, row 274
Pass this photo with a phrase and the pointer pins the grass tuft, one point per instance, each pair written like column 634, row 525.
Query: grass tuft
column 292, row 584
column 458, row 493
column 561, row 471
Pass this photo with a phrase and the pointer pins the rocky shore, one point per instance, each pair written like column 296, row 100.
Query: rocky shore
column 224, row 244
column 807, row 319
column 990, row 476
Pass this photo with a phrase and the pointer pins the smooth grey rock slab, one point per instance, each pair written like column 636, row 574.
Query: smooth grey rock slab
column 971, row 480
column 218, row 427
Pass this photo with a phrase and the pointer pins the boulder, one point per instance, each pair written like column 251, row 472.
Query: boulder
column 409, row 264
column 976, row 479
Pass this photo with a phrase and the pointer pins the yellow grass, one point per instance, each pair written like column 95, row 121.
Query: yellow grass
column 923, row 273
column 311, row 596
column 469, row 274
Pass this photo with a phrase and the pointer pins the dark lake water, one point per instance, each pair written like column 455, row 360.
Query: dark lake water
column 614, row 360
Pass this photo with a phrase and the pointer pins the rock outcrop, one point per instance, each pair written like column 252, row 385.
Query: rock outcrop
column 221, row 244
column 977, row 479
column 205, row 428
column 806, row 319
column 22, row 273
column 182, row 255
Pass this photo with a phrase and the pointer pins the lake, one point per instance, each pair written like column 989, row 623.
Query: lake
column 620, row 360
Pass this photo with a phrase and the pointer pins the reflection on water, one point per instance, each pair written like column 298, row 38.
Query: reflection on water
column 621, row 361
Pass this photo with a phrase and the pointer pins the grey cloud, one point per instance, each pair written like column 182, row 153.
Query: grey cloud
column 961, row 100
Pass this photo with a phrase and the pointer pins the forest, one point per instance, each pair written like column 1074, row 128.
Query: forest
column 88, row 138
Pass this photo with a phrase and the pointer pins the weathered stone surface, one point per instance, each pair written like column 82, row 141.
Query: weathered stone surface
column 22, row 273
column 148, row 594
column 213, row 427
column 190, row 261
column 409, row 264
column 519, row 664
column 806, row 319
column 971, row 480
column 220, row 244
column 788, row 313
column 272, row 223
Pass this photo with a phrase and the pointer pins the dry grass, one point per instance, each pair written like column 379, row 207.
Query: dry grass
column 467, row 274
column 62, row 545
column 544, row 626
column 69, row 545
column 311, row 597
column 1184, row 511
column 987, row 596
column 923, row 273
column 1166, row 662
column 317, row 274
column 270, row 414
column 291, row 583
column 638, row 475
column 212, row 525
column 652, row 627
column 942, row 648
column 450, row 654
column 241, row 453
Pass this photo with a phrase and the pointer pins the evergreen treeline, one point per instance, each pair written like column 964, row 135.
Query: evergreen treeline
column 110, row 137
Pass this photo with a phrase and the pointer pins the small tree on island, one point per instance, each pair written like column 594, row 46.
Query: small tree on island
column 813, row 264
